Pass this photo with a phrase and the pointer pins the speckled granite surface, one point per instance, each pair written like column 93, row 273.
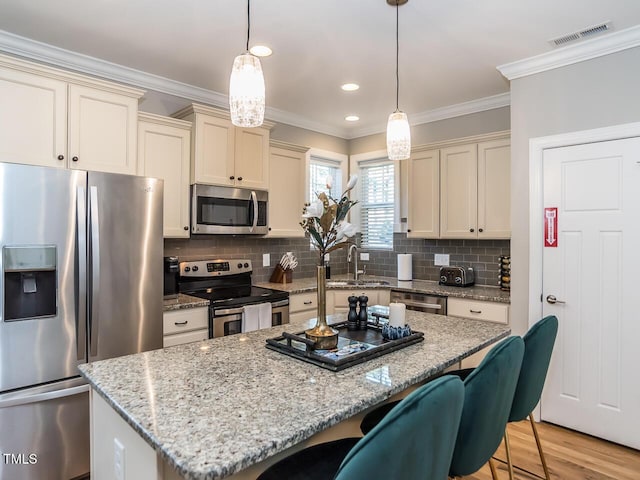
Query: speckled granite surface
column 213, row 408
column 476, row 292
column 184, row 301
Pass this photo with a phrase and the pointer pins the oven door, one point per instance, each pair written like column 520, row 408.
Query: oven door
column 226, row 210
column 228, row 321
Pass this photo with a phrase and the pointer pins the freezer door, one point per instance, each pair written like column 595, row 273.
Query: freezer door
column 125, row 264
column 41, row 307
column 45, row 432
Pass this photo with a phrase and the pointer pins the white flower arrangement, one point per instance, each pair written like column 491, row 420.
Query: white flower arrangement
column 325, row 220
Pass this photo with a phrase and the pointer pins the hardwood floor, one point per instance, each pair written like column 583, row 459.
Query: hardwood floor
column 570, row 456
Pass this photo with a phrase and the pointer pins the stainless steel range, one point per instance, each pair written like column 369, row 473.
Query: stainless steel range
column 227, row 286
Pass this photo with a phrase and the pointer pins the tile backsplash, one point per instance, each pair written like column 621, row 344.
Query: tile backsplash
column 482, row 255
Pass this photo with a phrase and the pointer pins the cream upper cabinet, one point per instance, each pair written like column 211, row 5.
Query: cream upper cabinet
column 458, row 191
column 287, row 180
column 494, row 189
column 423, row 216
column 475, row 190
column 222, row 154
column 61, row 119
column 164, row 149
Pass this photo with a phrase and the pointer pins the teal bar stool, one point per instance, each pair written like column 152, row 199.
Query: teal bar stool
column 538, row 346
column 488, row 396
column 414, row 442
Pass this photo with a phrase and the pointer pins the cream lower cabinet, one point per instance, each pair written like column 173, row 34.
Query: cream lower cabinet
column 287, row 182
column 185, row 326
column 475, row 190
column 60, row 119
column 341, row 298
column 303, row 306
column 480, row 310
column 164, row 146
column 222, row 154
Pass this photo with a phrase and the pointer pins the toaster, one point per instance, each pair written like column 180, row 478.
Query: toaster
column 457, row 276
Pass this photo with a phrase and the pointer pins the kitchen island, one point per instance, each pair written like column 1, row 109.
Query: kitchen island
column 229, row 407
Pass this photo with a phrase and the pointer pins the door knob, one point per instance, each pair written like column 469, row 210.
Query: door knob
column 552, row 299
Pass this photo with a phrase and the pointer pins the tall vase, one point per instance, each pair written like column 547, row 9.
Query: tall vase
column 325, row 337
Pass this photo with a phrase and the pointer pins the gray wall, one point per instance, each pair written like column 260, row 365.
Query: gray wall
column 591, row 94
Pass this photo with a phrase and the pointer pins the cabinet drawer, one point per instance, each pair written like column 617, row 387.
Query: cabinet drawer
column 186, row 337
column 303, row 301
column 185, row 320
column 490, row 311
column 341, row 298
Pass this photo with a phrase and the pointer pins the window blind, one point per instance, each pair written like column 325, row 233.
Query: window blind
column 377, row 204
column 319, row 170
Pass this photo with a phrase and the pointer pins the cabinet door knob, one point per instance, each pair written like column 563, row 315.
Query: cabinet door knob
column 75, row 159
column 269, row 228
column 480, row 230
column 186, row 228
column 231, row 177
column 240, row 178
column 409, row 230
column 471, row 230
column 60, row 157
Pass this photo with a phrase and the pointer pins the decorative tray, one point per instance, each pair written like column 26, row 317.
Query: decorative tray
column 354, row 347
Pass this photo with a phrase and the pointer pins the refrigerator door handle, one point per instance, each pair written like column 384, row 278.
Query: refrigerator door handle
column 44, row 396
column 95, row 270
column 81, row 287
column 254, row 199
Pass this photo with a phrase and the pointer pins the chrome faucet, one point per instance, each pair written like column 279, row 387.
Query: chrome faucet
column 355, row 265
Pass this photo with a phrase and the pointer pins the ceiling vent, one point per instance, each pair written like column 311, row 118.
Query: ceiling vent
column 581, row 35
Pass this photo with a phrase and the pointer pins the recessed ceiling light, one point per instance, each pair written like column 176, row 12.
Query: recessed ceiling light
column 260, row 50
column 350, row 87
column 352, row 118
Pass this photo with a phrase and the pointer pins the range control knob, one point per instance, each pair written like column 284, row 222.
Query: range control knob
column 458, row 280
column 239, row 265
column 187, row 269
column 195, row 268
column 246, row 265
column 443, row 278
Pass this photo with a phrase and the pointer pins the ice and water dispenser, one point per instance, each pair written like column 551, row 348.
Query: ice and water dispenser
column 29, row 274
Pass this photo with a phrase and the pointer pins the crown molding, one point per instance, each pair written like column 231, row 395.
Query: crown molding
column 450, row 111
column 58, row 57
column 586, row 50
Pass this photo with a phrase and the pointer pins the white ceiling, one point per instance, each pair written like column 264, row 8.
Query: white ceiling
column 449, row 49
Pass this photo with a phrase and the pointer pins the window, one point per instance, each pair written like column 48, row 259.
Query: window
column 319, row 170
column 377, row 201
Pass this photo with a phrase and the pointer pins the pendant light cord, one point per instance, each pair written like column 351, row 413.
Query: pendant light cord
column 397, row 55
column 248, row 22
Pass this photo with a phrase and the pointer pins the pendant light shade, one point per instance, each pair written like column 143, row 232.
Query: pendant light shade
column 246, row 91
column 398, row 136
column 246, row 87
column 398, row 130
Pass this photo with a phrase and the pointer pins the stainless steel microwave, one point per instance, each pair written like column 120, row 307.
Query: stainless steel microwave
column 228, row 210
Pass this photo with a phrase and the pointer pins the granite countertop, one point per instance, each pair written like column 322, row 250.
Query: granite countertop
column 475, row 292
column 216, row 407
column 183, row 301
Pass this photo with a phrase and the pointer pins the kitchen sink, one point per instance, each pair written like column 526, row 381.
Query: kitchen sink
column 357, row 283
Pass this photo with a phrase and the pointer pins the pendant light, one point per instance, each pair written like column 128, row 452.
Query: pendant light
column 398, row 131
column 246, row 87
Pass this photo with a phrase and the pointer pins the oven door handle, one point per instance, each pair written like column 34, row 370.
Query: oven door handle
column 254, row 199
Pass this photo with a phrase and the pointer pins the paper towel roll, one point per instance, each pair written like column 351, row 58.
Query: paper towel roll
column 404, row 267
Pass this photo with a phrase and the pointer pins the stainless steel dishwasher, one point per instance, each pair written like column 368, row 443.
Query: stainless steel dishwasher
column 421, row 302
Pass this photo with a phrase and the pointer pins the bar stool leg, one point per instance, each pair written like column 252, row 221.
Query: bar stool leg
column 542, row 459
column 508, row 449
column 492, row 466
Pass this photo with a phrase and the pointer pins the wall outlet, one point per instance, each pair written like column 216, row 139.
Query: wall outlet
column 441, row 259
column 364, row 256
column 266, row 260
column 118, row 459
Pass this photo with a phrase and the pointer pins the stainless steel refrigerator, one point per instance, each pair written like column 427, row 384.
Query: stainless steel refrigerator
column 81, row 280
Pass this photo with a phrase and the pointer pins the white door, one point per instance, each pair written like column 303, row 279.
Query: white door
column 592, row 271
